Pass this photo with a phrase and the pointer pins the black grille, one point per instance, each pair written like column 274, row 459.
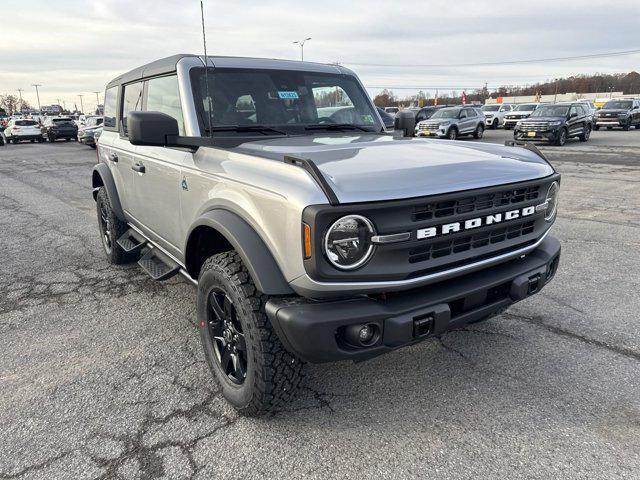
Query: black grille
column 476, row 203
column 469, row 242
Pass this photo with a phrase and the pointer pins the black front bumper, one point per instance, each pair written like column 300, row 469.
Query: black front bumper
column 547, row 136
column 312, row 329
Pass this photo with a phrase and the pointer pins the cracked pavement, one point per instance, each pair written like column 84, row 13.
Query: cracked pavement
column 102, row 375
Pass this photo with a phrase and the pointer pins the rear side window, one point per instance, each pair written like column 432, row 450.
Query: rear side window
column 110, row 100
column 163, row 95
column 131, row 102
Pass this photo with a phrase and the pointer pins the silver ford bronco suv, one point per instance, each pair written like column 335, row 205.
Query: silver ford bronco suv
column 312, row 234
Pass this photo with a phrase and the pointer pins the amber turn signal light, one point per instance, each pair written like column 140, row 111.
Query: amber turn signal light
column 306, row 233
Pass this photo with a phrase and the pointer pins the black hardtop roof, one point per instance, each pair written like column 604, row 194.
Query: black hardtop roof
column 168, row 65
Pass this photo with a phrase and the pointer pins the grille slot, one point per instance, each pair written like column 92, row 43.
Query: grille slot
column 470, row 242
column 476, row 203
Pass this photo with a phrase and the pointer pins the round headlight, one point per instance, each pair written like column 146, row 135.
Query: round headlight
column 552, row 201
column 347, row 243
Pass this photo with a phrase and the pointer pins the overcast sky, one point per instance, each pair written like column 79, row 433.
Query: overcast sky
column 75, row 47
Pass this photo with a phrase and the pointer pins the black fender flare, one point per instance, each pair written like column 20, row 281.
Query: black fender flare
column 255, row 254
column 102, row 176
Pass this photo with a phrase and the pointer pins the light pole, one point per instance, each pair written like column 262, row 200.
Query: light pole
column 81, row 106
column 555, row 97
column 37, row 94
column 20, row 90
column 301, row 43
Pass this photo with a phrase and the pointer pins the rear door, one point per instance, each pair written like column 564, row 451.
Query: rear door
column 158, row 179
column 469, row 123
column 576, row 120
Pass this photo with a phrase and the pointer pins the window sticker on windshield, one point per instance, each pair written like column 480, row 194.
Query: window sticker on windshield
column 288, row 95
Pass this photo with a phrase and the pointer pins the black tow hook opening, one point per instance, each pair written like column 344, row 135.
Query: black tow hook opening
column 534, row 284
column 422, row 325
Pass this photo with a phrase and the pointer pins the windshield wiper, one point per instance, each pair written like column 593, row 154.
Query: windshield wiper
column 247, row 128
column 336, row 126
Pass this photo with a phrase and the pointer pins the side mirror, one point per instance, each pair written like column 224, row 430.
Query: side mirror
column 150, row 128
column 405, row 121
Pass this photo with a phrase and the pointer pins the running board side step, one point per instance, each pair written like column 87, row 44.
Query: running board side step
column 158, row 265
column 131, row 241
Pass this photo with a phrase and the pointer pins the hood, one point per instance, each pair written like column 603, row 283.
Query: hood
column 520, row 113
column 543, row 119
column 363, row 168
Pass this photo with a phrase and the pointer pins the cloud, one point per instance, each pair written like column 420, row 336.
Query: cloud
column 74, row 47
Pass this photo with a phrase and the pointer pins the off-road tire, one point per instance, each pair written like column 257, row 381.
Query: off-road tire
column 116, row 227
column 273, row 375
column 479, row 132
column 452, row 134
column 495, row 124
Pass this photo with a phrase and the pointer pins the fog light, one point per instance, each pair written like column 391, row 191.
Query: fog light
column 366, row 334
column 362, row 335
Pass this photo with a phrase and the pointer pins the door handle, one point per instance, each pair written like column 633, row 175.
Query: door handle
column 113, row 157
column 138, row 167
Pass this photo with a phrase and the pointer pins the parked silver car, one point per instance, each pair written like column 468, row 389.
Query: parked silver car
column 311, row 233
column 451, row 123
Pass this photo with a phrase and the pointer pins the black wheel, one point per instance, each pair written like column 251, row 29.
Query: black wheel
column 67, row 139
column 32, row 140
column 626, row 127
column 111, row 228
column 495, row 124
column 452, row 134
column 479, row 131
column 609, row 128
column 562, row 137
column 15, row 141
column 585, row 136
column 507, row 127
column 596, row 127
column 245, row 355
column 51, row 138
column 40, row 140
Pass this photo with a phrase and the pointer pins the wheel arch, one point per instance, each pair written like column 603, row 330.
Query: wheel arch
column 220, row 230
column 102, row 177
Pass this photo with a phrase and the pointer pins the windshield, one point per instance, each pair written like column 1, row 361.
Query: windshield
column 447, row 113
column 551, row 111
column 25, row 123
column 61, row 120
column 288, row 100
column 490, row 108
column 525, row 107
column 618, row 105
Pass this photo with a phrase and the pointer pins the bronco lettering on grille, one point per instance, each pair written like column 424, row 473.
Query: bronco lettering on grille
column 472, row 223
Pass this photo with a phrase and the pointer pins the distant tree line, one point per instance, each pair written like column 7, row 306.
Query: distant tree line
column 628, row 83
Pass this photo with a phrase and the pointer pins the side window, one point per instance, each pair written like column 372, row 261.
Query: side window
column 131, row 102
column 572, row 110
column 163, row 95
column 471, row 112
column 110, row 101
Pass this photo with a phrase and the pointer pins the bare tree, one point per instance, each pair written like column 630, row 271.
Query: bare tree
column 9, row 103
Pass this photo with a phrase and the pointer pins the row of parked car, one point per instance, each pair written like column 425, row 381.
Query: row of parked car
column 552, row 123
column 50, row 129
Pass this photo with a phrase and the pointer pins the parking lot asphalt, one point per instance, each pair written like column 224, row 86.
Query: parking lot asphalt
column 102, row 375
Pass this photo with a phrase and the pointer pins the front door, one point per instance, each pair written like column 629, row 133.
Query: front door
column 157, row 172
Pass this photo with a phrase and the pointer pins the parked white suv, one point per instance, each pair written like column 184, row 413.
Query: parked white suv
column 518, row 113
column 23, row 129
column 494, row 114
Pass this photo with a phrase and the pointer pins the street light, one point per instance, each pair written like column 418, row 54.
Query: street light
column 97, row 102
column 37, row 94
column 301, row 43
column 81, row 106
